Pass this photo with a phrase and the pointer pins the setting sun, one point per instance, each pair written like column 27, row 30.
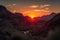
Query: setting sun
column 31, row 15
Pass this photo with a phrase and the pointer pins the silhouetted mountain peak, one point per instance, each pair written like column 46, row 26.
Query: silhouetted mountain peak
column 47, row 17
column 2, row 7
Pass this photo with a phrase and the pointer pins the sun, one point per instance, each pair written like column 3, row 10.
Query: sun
column 32, row 16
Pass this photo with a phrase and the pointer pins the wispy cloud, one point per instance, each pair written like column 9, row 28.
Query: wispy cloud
column 34, row 6
column 11, row 5
column 42, row 10
column 42, row 6
column 45, row 5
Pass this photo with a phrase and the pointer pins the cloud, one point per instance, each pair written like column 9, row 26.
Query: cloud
column 37, row 10
column 40, row 6
column 44, row 10
column 41, row 10
column 47, row 8
column 34, row 6
column 14, row 4
column 11, row 5
column 45, row 5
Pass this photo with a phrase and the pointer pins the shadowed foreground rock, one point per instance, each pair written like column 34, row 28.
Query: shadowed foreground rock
column 8, row 31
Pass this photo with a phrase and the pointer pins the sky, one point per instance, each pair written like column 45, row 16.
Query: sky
column 32, row 7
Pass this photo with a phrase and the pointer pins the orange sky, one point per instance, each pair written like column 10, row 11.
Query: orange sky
column 35, row 8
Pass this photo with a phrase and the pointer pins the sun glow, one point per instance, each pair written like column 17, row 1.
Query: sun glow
column 32, row 15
